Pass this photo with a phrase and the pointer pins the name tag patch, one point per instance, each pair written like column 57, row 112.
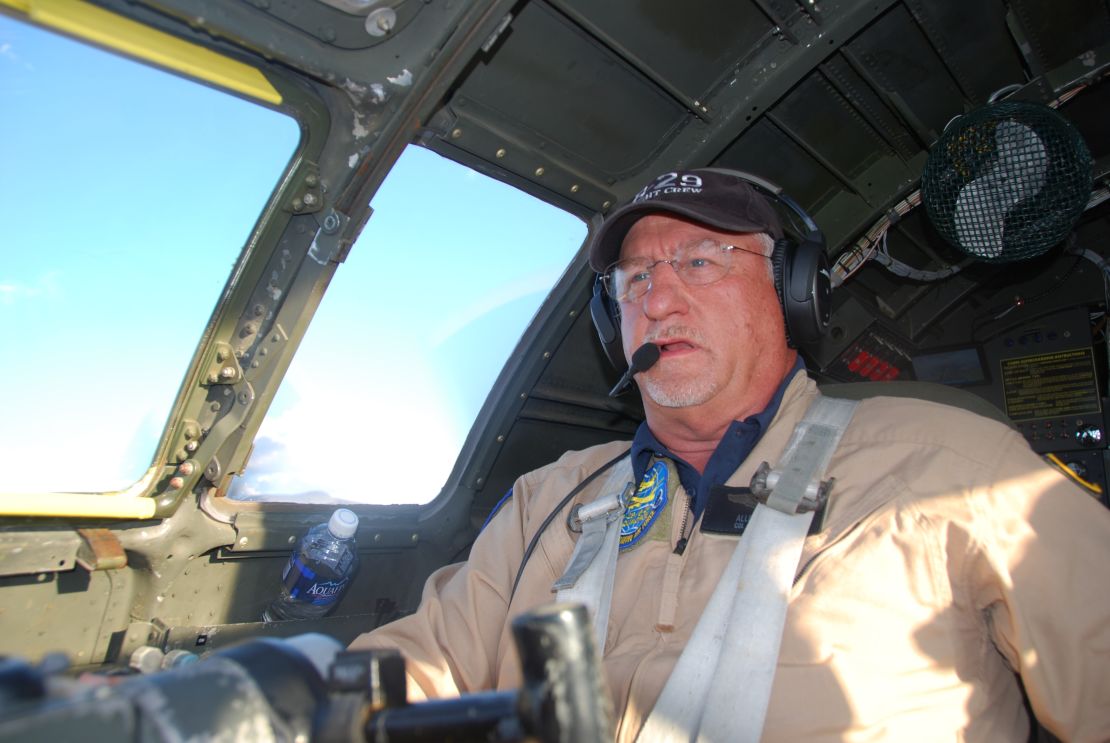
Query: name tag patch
column 645, row 506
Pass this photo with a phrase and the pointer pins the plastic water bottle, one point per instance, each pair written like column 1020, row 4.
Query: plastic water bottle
column 319, row 570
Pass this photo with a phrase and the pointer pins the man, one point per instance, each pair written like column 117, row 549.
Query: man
column 951, row 557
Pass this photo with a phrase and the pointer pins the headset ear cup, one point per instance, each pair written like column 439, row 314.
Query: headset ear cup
column 781, row 259
column 606, row 319
column 807, row 293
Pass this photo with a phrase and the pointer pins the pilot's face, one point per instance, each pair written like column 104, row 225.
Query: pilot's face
column 715, row 338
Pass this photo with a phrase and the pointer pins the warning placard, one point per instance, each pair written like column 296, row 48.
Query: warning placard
column 1050, row 385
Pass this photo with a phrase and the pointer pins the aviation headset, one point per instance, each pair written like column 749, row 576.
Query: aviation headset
column 801, row 268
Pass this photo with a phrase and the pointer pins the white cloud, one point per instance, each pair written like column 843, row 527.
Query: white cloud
column 45, row 288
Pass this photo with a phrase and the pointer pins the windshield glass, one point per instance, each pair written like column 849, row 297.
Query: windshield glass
column 128, row 194
column 409, row 338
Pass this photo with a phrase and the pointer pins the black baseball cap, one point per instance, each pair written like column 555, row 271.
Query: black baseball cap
column 715, row 198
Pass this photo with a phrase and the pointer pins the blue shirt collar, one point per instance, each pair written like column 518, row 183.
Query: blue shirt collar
column 734, row 448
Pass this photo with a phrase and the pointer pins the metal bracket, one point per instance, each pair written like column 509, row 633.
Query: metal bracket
column 100, row 550
column 329, row 245
column 187, row 441
column 307, row 192
column 816, row 495
column 223, row 368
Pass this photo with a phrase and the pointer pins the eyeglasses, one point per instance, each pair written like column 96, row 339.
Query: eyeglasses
column 696, row 264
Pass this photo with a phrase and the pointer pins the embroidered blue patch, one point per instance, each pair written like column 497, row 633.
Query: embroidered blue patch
column 645, row 506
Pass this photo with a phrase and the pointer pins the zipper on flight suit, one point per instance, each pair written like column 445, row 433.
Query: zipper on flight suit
column 683, row 538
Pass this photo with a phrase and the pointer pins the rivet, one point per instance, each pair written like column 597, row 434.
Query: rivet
column 262, row 352
column 176, row 483
column 607, row 204
column 501, row 153
column 539, row 171
column 215, row 407
column 191, row 447
column 213, row 378
column 311, row 180
column 259, row 310
column 291, row 540
column 228, row 372
column 574, row 188
column 377, row 537
column 310, row 199
column 547, row 354
column 254, row 364
column 573, row 313
column 500, row 439
column 523, row 395
column 242, row 540
column 415, row 537
column 186, row 468
column 298, row 204
column 479, row 482
column 275, row 337
column 456, row 133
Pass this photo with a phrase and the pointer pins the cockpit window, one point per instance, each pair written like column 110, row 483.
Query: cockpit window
column 128, row 194
column 409, row 338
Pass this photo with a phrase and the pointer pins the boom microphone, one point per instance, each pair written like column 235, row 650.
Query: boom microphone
column 643, row 359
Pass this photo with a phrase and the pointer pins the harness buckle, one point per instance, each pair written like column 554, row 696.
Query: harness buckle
column 816, row 496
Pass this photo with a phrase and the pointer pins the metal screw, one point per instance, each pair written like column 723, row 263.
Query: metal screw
column 311, row 180
column 215, row 407
column 607, row 204
column 291, row 540
column 186, row 468
column 539, row 171
column 574, row 188
column 501, row 153
column 377, row 537
column 228, row 372
column 547, row 354
column 479, row 482
column 331, row 223
column 456, row 133
column 243, row 541
column 500, row 439
column 259, row 310
column 191, row 447
column 262, row 352
column 176, row 483
column 298, row 204
column 275, row 338
column 213, row 378
column 310, row 199
column 220, row 355
column 415, row 537
column 254, row 364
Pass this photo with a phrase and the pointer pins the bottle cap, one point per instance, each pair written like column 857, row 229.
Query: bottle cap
column 343, row 523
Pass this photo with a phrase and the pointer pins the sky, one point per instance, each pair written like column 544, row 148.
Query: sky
column 134, row 194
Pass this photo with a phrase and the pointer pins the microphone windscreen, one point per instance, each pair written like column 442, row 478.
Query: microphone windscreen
column 644, row 357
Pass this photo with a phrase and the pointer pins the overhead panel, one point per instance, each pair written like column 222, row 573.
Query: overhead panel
column 1058, row 32
column 814, row 113
column 966, row 34
column 552, row 85
column 896, row 56
column 766, row 151
column 689, row 45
